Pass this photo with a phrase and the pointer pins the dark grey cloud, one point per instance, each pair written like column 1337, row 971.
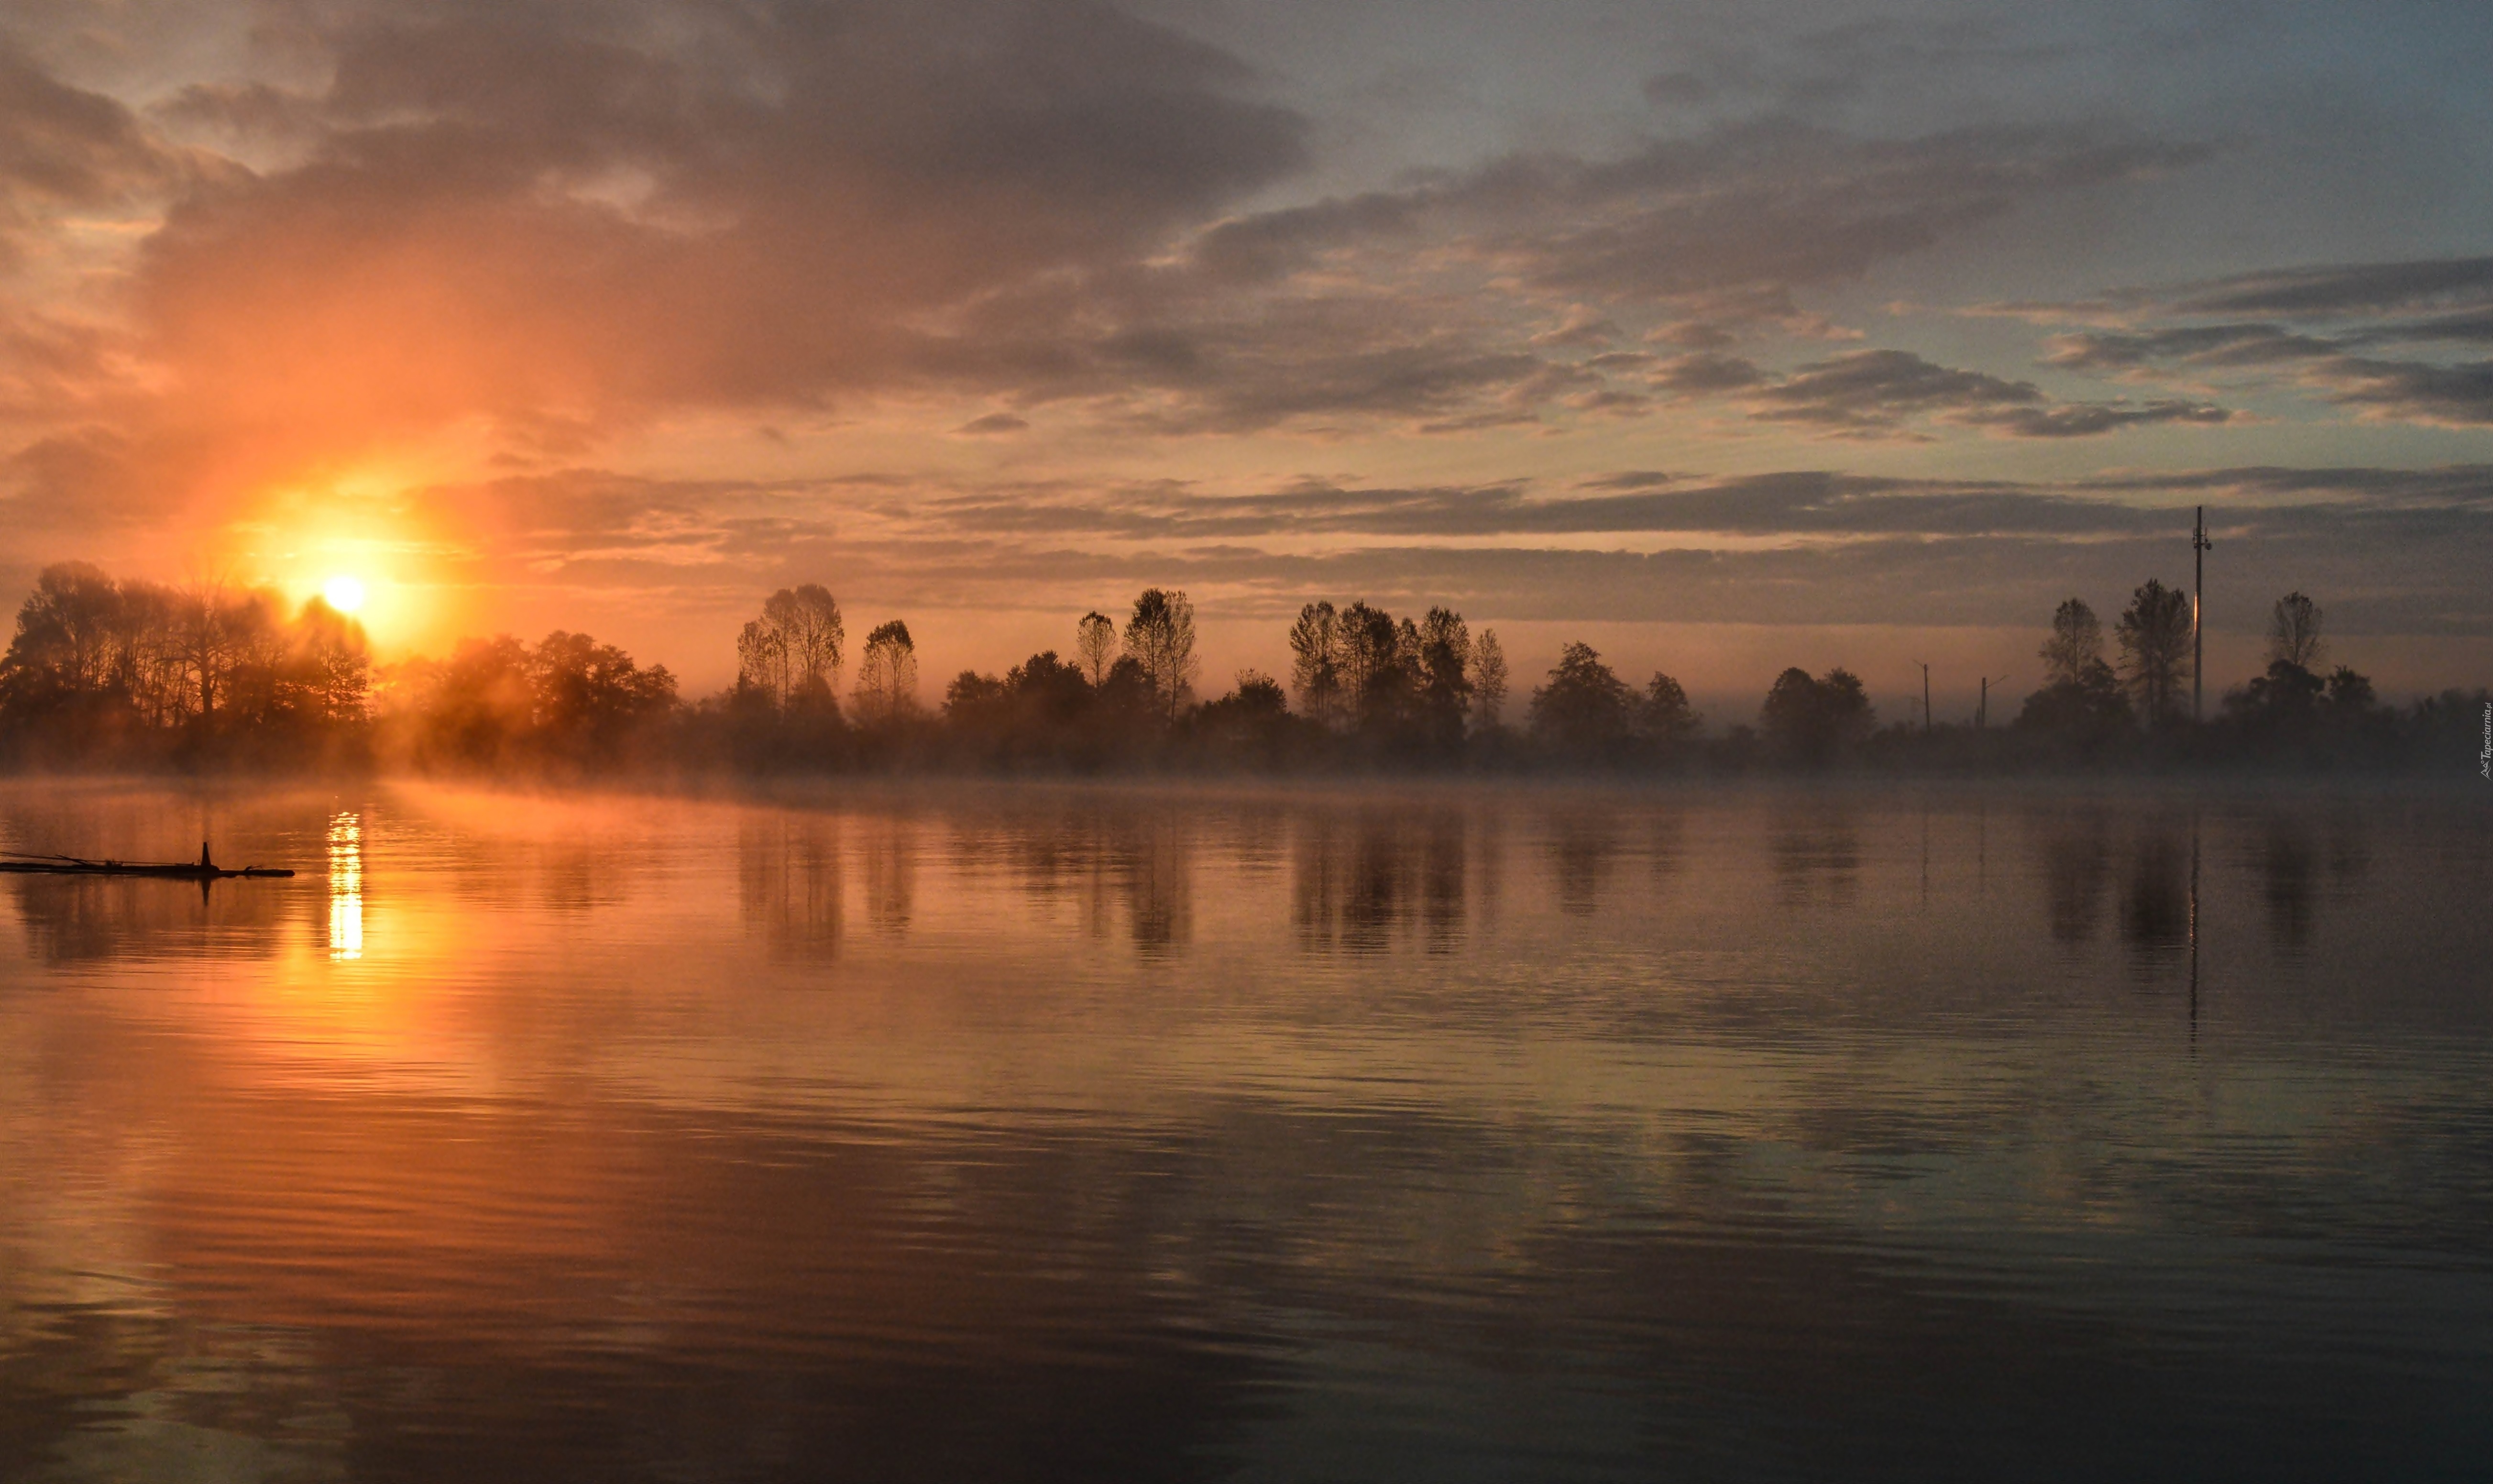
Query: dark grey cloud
column 573, row 209
column 1736, row 217
column 65, row 149
column 1801, row 505
column 2390, row 389
column 2411, row 391
column 2343, row 290
column 1881, row 393
column 2359, row 336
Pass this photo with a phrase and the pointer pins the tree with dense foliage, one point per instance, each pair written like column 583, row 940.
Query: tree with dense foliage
column 498, row 705
column 1813, row 721
column 102, row 669
column 1251, row 726
column 2155, row 635
column 1583, row 711
column 1664, row 717
column 886, row 683
column 1159, row 636
column 2081, row 704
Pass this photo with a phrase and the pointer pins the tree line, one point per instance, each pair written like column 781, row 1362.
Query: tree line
column 105, row 673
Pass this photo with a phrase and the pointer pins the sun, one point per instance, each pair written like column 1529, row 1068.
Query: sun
column 344, row 593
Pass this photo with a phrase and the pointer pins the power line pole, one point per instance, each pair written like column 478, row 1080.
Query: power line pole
column 1982, row 708
column 2199, row 547
column 1926, row 696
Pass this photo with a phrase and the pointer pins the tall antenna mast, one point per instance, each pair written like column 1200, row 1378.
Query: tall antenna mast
column 2199, row 545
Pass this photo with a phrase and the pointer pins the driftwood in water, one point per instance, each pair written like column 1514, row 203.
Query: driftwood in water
column 206, row 869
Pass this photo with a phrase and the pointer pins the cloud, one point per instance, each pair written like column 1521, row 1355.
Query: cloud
column 63, row 149
column 1735, row 217
column 2331, row 326
column 994, row 424
column 1877, row 393
column 1795, row 547
column 539, row 210
column 2408, row 391
column 2343, row 290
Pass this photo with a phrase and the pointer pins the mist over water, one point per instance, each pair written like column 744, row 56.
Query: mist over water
column 1389, row 1131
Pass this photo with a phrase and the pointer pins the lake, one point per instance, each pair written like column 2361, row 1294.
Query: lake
column 1363, row 1132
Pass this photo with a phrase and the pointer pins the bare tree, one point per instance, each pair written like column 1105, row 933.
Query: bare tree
column 210, row 629
column 1489, row 678
column 2076, row 642
column 1160, row 638
column 2155, row 636
column 886, row 683
column 1095, row 640
column 2293, row 631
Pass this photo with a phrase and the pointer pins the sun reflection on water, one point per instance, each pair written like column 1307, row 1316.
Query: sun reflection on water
column 346, row 887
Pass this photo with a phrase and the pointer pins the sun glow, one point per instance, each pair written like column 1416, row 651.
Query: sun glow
column 344, row 593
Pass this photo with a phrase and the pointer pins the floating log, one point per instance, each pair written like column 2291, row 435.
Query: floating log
column 23, row 863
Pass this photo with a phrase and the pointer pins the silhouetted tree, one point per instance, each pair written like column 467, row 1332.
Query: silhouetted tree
column 886, row 683
column 1664, row 716
column 103, row 671
column 1489, row 678
column 1582, row 712
column 330, row 666
column 2081, row 704
column 1372, row 676
column 2155, row 649
column 1813, row 720
column 1095, row 640
column 793, row 650
column 1159, row 636
column 2293, row 631
column 2076, row 645
column 1251, row 726
column 1316, row 663
column 591, row 699
column 1444, row 658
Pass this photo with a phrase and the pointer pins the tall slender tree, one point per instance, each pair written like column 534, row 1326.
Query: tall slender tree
column 2075, row 645
column 886, row 683
column 1159, row 636
column 1489, row 678
column 1316, row 663
column 1095, row 640
column 2293, row 631
column 1444, row 661
column 2155, row 636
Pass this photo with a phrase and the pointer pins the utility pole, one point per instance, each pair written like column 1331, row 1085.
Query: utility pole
column 2199, row 547
column 1982, row 708
column 1926, row 696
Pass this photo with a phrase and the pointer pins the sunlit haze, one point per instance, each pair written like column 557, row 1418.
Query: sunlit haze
column 1724, row 335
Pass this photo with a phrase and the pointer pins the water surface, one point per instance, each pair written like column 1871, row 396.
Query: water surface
column 1163, row 1134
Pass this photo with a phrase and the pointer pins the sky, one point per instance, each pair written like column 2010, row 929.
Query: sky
column 1725, row 336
